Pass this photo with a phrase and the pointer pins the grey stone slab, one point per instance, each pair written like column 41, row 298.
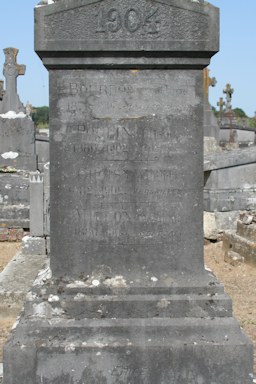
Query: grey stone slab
column 228, row 159
column 14, row 200
column 17, row 135
column 46, row 170
column 247, row 231
column 14, row 216
column 22, row 162
column 215, row 223
column 242, row 137
column 14, row 189
column 152, row 34
column 36, row 204
column 211, row 126
column 129, row 167
column 126, row 350
column 42, row 150
column 16, row 280
column 17, row 143
column 127, row 298
column 32, row 245
column 229, row 200
column 246, row 248
column 230, row 189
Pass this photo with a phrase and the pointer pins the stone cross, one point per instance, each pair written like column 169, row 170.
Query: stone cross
column 221, row 103
column 11, row 71
column 208, row 82
column 228, row 91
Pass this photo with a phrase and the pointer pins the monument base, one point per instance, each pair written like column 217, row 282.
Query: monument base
column 82, row 332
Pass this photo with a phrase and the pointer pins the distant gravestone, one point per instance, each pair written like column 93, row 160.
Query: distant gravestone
column 211, row 127
column 127, row 298
column 17, row 148
column 12, row 70
column 17, row 130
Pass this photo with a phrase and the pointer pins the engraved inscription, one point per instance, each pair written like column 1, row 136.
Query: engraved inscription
column 142, row 21
column 125, row 141
column 102, row 97
column 130, row 20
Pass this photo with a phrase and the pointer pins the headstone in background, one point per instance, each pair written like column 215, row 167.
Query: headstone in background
column 17, row 149
column 127, row 299
column 211, row 127
column 11, row 100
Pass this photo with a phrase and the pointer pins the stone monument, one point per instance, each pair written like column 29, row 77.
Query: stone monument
column 127, row 298
column 17, row 131
column 17, row 148
column 211, row 127
column 12, row 70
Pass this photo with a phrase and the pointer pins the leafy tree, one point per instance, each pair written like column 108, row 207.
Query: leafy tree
column 239, row 113
column 40, row 116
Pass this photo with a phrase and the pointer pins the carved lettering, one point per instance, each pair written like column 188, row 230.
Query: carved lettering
column 130, row 20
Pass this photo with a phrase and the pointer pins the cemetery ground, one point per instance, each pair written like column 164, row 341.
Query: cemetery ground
column 239, row 282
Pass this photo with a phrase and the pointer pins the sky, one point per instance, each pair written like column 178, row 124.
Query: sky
column 235, row 63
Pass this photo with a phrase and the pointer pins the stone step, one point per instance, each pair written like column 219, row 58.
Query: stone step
column 125, row 350
column 15, row 281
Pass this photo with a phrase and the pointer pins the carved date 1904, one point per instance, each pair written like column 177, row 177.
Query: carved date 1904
column 131, row 20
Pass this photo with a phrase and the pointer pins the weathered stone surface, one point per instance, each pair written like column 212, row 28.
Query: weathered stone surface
column 126, row 182
column 215, row 223
column 42, row 150
column 210, row 227
column 247, row 231
column 230, row 189
column 36, row 213
column 243, row 137
column 129, row 299
column 211, row 145
column 32, row 245
column 10, row 100
column 166, row 33
column 17, row 137
column 246, row 248
column 15, row 281
column 226, row 159
column 233, row 258
column 14, row 200
column 14, row 188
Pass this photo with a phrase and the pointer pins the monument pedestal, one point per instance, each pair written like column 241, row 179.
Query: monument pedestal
column 83, row 332
column 129, row 300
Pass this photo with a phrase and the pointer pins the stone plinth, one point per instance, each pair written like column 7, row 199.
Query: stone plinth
column 127, row 298
column 242, row 241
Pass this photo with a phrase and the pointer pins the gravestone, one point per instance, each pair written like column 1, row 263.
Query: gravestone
column 127, row 298
column 17, row 148
column 17, row 131
column 12, row 70
column 211, row 127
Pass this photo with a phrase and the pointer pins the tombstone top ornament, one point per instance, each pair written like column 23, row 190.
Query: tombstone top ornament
column 228, row 91
column 162, row 33
column 11, row 71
